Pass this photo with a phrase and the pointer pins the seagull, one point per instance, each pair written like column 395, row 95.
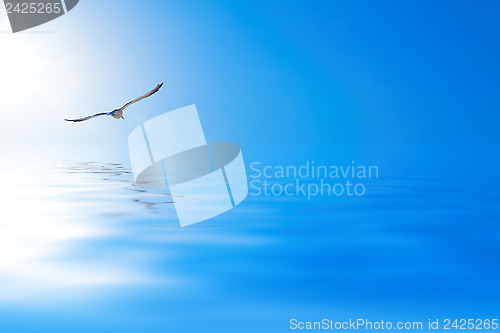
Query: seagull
column 118, row 113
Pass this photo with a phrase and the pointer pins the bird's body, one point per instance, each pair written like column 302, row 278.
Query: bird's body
column 118, row 113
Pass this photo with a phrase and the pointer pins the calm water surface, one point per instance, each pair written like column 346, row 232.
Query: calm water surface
column 82, row 245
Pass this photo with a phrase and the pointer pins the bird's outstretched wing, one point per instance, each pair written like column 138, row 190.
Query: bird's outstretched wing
column 88, row 117
column 142, row 97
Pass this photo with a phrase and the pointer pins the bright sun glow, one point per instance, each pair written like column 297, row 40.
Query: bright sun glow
column 33, row 76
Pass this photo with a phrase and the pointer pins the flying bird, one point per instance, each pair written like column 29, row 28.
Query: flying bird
column 118, row 113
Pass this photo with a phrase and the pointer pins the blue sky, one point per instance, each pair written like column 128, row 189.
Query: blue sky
column 328, row 72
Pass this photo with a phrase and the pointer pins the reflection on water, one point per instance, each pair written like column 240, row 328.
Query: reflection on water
column 425, row 237
column 55, row 220
column 118, row 172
